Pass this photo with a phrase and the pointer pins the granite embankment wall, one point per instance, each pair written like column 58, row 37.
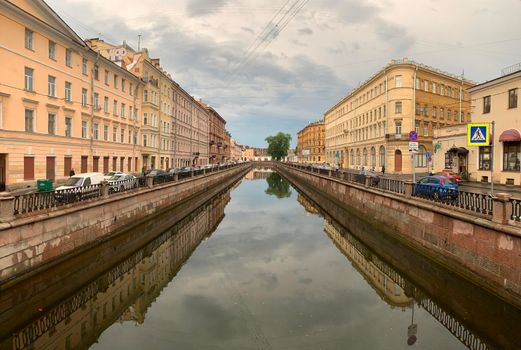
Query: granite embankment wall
column 30, row 242
column 485, row 252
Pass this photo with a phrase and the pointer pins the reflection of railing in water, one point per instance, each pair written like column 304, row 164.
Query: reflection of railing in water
column 182, row 239
column 464, row 335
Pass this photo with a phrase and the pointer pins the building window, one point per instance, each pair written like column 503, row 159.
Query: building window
column 398, row 81
column 434, row 111
column 462, row 117
column 123, row 84
column 123, row 110
column 434, row 87
column 115, row 81
column 511, row 156
column 426, row 85
column 68, row 91
column 442, row 90
column 96, row 101
column 144, row 140
column 398, row 107
column 145, row 118
column 417, row 127
column 131, row 89
column 84, row 97
column 28, row 81
column 145, row 95
column 417, row 84
column 417, row 109
column 448, row 160
column 68, row 127
column 114, row 133
column 51, row 86
column 426, row 110
column 29, row 39
column 106, row 104
column 420, row 159
column 96, row 131
column 425, row 129
column 115, row 107
column 84, row 66
column 398, row 127
column 442, row 113
column 449, row 91
column 106, row 77
column 122, row 135
column 484, row 157
column 512, row 98
column 96, row 72
column 51, row 123
column 52, row 50
column 449, row 113
column 68, row 57
column 84, row 129
column 29, row 120
column 105, row 132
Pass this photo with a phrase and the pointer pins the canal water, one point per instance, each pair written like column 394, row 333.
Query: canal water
column 258, row 267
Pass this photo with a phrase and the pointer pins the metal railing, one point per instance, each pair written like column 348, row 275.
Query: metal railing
column 391, row 185
column 481, row 203
column 516, row 209
column 38, row 201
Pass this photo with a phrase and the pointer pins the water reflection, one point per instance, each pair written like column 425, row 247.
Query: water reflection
column 448, row 299
column 277, row 186
column 123, row 293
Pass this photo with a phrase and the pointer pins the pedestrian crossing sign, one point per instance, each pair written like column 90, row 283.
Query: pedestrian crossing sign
column 478, row 134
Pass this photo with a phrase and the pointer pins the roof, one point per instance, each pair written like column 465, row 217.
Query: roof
column 498, row 80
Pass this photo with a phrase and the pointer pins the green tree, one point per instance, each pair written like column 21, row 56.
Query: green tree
column 278, row 145
column 277, row 186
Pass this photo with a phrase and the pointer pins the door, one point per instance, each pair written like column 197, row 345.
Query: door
column 51, row 163
column 115, row 164
column 105, row 165
column 121, row 164
column 397, row 160
column 67, row 166
column 84, row 162
column 95, row 164
column 3, row 179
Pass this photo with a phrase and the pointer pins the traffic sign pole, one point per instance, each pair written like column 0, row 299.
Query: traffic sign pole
column 492, row 162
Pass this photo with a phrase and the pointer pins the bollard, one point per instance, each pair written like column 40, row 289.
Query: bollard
column 501, row 208
column 176, row 177
column 150, row 181
column 6, row 207
column 409, row 186
column 104, row 189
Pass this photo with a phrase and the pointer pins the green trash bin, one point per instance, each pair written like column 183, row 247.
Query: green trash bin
column 44, row 185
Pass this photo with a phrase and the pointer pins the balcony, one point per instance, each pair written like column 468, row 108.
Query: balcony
column 396, row 137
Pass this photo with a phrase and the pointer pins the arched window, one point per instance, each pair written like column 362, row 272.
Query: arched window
column 420, row 158
column 358, row 156
column 352, row 154
column 373, row 157
column 382, row 156
column 365, row 156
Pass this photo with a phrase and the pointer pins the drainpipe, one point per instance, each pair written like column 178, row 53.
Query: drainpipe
column 414, row 120
column 92, row 108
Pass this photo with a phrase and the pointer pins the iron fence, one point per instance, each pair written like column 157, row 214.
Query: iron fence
column 516, row 209
column 391, row 185
column 37, row 201
column 480, row 203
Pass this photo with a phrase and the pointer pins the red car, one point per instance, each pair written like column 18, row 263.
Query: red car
column 451, row 175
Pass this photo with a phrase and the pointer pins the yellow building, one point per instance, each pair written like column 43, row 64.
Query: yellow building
column 62, row 106
column 369, row 127
column 497, row 101
column 310, row 143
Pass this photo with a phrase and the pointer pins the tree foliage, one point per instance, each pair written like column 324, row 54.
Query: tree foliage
column 277, row 186
column 278, row 145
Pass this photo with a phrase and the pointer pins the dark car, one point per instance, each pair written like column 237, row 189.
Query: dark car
column 437, row 187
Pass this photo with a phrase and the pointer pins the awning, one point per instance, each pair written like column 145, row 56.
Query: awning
column 510, row 135
column 458, row 150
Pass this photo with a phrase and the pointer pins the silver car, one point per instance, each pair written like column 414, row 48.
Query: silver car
column 122, row 182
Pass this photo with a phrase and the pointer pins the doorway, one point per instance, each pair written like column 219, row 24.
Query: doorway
column 397, row 161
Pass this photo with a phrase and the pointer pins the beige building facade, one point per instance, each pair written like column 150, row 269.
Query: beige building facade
column 62, row 106
column 497, row 101
column 310, row 143
column 369, row 127
column 451, row 151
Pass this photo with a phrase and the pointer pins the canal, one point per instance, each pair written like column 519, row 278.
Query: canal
column 260, row 266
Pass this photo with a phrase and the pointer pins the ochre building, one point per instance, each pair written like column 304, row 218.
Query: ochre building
column 310, row 143
column 369, row 127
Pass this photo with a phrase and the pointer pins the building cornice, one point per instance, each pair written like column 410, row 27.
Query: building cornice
column 496, row 81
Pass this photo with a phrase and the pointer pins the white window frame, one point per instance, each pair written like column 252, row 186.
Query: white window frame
column 398, row 81
column 51, row 86
column 68, row 91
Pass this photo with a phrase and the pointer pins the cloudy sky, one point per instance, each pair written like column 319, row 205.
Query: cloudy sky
column 270, row 66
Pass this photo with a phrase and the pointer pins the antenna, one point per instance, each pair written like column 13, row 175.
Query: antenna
column 139, row 42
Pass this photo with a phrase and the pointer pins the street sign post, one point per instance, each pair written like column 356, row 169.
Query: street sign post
column 413, row 146
column 479, row 134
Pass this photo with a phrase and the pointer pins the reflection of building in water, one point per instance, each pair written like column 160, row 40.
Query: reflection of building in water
column 391, row 286
column 308, row 205
column 126, row 291
column 258, row 174
column 389, row 290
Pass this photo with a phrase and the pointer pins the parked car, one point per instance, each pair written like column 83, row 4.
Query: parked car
column 437, row 187
column 110, row 174
column 452, row 175
column 76, row 187
column 156, row 172
column 122, row 182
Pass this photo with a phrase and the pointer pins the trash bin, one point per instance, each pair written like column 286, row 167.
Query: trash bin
column 44, row 185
